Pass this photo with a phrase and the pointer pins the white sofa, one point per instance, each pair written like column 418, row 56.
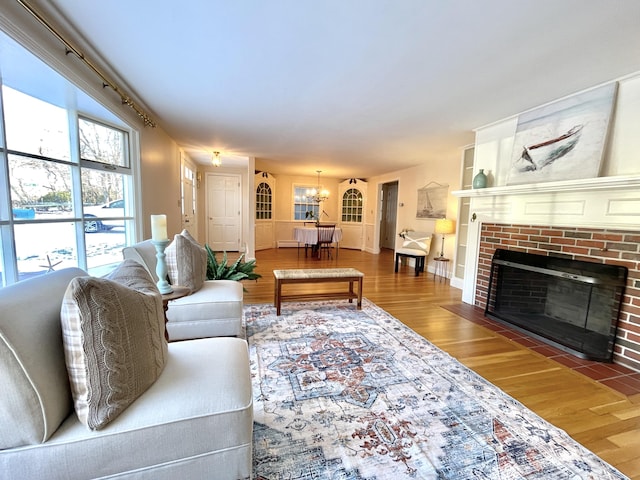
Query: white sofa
column 214, row 310
column 194, row 422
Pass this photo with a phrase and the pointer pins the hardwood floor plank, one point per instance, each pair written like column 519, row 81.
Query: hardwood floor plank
column 603, row 420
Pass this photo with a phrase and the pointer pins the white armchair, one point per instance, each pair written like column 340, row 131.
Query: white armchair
column 416, row 245
column 214, row 310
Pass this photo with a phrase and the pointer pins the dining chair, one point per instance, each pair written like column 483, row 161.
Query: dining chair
column 325, row 239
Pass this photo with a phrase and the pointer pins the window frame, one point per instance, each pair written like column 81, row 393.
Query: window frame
column 302, row 189
column 10, row 270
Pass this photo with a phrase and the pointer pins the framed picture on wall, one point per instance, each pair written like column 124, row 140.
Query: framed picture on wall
column 432, row 201
column 564, row 140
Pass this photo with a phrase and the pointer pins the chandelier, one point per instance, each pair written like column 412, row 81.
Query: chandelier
column 216, row 161
column 316, row 195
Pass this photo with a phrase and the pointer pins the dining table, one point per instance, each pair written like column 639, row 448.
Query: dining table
column 309, row 236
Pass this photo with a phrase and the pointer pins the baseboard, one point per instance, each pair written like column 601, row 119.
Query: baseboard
column 288, row 244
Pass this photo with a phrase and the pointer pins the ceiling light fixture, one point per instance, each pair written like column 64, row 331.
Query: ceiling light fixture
column 317, row 195
column 216, row 161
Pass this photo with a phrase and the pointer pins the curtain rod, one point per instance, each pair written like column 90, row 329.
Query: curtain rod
column 106, row 82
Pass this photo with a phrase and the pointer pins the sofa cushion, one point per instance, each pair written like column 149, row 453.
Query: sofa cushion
column 113, row 334
column 186, row 261
column 214, row 310
column 193, row 415
column 35, row 396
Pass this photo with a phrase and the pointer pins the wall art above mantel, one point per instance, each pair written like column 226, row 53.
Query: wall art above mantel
column 564, row 140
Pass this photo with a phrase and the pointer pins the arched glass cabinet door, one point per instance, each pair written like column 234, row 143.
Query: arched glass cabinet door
column 352, row 213
column 265, row 185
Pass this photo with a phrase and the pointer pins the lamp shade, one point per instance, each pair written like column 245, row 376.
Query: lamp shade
column 445, row 226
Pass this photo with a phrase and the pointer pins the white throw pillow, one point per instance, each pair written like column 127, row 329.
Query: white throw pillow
column 417, row 241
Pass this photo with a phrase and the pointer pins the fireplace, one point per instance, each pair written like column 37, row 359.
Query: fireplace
column 571, row 304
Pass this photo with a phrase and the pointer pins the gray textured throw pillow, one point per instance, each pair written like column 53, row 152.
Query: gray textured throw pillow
column 113, row 334
column 186, row 262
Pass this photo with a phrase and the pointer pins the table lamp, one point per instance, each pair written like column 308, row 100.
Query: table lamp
column 444, row 226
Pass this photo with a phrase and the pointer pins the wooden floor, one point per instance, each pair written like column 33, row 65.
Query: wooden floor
column 603, row 420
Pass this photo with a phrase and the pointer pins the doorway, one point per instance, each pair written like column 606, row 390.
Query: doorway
column 223, row 212
column 388, row 215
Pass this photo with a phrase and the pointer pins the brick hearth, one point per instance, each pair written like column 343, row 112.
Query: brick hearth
column 609, row 246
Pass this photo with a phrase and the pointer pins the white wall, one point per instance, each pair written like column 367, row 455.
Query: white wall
column 494, row 142
column 446, row 171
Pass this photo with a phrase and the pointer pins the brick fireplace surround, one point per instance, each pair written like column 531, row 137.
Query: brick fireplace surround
column 609, row 246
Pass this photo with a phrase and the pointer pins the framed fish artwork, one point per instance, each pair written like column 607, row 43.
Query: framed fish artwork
column 564, row 140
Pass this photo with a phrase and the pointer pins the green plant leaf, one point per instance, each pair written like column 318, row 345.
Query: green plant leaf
column 237, row 271
column 235, row 265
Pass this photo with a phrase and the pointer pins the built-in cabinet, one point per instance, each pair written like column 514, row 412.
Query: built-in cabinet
column 464, row 204
column 265, row 190
column 353, row 199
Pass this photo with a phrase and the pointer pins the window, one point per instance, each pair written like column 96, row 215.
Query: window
column 303, row 209
column 188, row 192
column 263, row 201
column 352, row 206
column 67, row 180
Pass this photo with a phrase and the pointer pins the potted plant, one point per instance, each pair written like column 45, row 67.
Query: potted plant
column 237, row 271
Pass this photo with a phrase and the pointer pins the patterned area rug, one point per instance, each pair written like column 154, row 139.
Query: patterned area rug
column 347, row 394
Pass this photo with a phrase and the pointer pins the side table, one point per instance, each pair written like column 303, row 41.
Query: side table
column 178, row 292
column 441, row 268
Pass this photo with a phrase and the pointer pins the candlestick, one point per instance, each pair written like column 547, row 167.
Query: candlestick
column 159, row 227
column 161, row 265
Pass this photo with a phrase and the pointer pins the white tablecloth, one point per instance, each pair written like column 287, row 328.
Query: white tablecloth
column 309, row 235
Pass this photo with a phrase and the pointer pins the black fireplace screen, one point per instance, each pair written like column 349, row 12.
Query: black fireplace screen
column 571, row 304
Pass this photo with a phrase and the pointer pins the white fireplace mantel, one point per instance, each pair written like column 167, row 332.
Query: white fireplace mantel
column 584, row 185
column 604, row 202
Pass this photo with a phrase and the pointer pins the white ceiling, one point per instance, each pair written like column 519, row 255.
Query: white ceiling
column 354, row 88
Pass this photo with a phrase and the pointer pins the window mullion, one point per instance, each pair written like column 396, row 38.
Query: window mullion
column 8, row 253
column 76, row 190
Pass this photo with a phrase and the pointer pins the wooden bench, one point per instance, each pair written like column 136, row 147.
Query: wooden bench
column 318, row 275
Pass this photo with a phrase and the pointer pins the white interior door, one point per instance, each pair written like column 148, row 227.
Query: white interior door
column 388, row 220
column 223, row 212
